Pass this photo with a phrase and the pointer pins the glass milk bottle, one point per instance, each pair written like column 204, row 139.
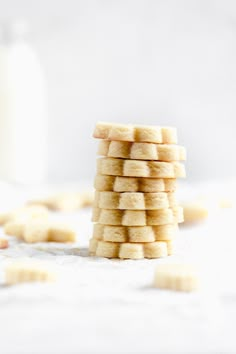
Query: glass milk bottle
column 23, row 118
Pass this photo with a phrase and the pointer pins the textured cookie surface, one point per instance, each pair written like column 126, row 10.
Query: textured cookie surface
column 141, row 151
column 138, row 217
column 139, row 133
column 134, row 233
column 179, row 277
column 22, row 271
column 128, row 250
column 134, row 200
column 137, row 168
column 133, row 184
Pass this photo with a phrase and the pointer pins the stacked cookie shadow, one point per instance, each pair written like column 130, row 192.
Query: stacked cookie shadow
column 136, row 213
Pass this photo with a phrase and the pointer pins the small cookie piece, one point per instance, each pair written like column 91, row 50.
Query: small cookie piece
column 137, row 168
column 138, row 217
column 3, row 243
column 139, row 133
column 128, row 250
column 15, row 228
column 195, row 212
column 61, row 233
column 37, row 230
column 66, row 201
column 22, row 271
column 134, row 200
column 133, row 184
column 141, row 151
column 30, row 211
column 134, row 233
column 179, row 277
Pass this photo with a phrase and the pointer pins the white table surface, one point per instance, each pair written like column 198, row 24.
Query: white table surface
column 109, row 306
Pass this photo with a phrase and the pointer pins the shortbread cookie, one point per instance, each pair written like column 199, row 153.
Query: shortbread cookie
column 128, row 250
column 36, row 230
column 195, row 212
column 31, row 211
column 3, row 243
column 59, row 232
column 134, row 233
column 138, row 217
column 136, row 168
column 48, row 232
column 133, row 184
column 177, row 277
column 66, row 201
column 139, row 133
column 15, row 228
column 22, row 271
column 141, row 151
column 134, row 200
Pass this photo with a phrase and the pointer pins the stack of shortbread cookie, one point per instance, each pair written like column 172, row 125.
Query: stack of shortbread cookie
column 135, row 208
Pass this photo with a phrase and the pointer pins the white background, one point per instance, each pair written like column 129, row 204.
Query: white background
column 144, row 61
